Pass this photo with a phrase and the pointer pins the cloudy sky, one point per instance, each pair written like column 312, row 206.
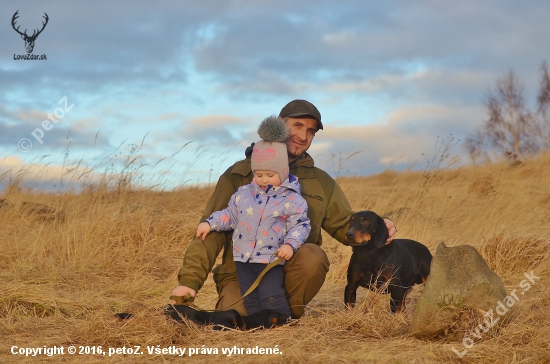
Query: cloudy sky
column 182, row 85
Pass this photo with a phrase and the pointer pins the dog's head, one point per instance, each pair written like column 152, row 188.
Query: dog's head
column 366, row 227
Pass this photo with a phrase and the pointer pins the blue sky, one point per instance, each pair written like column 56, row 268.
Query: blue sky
column 189, row 82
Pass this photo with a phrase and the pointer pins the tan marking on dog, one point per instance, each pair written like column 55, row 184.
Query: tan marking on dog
column 361, row 237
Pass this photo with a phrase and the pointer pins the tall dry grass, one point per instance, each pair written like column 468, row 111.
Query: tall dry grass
column 66, row 269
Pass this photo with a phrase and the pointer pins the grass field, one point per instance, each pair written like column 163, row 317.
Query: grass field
column 66, row 270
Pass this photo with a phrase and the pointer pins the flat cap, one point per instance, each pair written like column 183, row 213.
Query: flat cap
column 297, row 108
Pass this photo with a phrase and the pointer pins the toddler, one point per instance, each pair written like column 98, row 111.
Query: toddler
column 269, row 219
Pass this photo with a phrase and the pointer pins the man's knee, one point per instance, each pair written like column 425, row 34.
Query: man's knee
column 304, row 275
column 308, row 262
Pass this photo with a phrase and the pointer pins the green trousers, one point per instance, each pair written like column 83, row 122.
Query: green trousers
column 305, row 273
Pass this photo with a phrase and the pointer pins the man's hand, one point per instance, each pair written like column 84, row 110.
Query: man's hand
column 202, row 230
column 392, row 230
column 286, row 252
column 182, row 291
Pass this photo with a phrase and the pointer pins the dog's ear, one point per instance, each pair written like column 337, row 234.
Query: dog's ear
column 382, row 233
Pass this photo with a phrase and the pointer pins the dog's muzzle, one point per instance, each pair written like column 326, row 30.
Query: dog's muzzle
column 355, row 238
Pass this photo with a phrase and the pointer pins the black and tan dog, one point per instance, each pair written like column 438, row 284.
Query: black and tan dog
column 226, row 319
column 400, row 264
column 220, row 319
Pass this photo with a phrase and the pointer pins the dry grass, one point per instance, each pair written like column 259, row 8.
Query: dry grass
column 69, row 262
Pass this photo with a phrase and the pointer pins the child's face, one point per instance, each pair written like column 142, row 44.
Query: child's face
column 264, row 178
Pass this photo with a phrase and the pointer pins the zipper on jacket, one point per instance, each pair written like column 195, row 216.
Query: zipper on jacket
column 259, row 223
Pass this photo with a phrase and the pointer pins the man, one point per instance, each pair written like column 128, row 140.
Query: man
column 328, row 209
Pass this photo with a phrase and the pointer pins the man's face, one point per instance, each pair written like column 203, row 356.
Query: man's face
column 301, row 133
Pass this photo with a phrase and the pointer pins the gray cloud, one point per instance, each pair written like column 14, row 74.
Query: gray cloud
column 264, row 49
column 360, row 41
column 176, row 68
column 30, row 124
column 218, row 131
column 409, row 135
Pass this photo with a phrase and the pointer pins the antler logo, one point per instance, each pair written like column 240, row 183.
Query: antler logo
column 29, row 40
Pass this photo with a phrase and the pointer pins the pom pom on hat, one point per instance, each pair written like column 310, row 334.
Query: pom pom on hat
column 273, row 129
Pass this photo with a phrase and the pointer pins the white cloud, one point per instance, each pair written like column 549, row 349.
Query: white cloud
column 15, row 168
column 404, row 136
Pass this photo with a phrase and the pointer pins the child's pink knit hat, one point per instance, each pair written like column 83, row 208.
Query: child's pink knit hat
column 270, row 153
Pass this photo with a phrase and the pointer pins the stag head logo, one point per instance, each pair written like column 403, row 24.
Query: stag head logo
column 29, row 40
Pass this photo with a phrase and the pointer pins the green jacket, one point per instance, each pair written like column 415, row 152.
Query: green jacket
column 328, row 208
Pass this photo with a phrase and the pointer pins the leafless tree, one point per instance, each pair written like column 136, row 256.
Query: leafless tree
column 511, row 130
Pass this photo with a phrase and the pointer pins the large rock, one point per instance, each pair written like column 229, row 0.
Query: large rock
column 459, row 280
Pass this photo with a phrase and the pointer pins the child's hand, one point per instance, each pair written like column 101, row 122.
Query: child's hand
column 202, row 230
column 286, row 252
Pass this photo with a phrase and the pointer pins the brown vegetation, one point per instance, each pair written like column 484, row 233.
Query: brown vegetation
column 64, row 278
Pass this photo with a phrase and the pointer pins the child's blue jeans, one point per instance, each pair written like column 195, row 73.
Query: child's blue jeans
column 270, row 293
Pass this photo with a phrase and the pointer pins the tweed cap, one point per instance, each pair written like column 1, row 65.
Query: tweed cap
column 297, row 108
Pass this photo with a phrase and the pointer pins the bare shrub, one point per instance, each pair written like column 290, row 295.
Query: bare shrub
column 512, row 131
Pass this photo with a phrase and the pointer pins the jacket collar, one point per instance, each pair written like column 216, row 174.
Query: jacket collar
column 290, row 184
column 304, row 160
